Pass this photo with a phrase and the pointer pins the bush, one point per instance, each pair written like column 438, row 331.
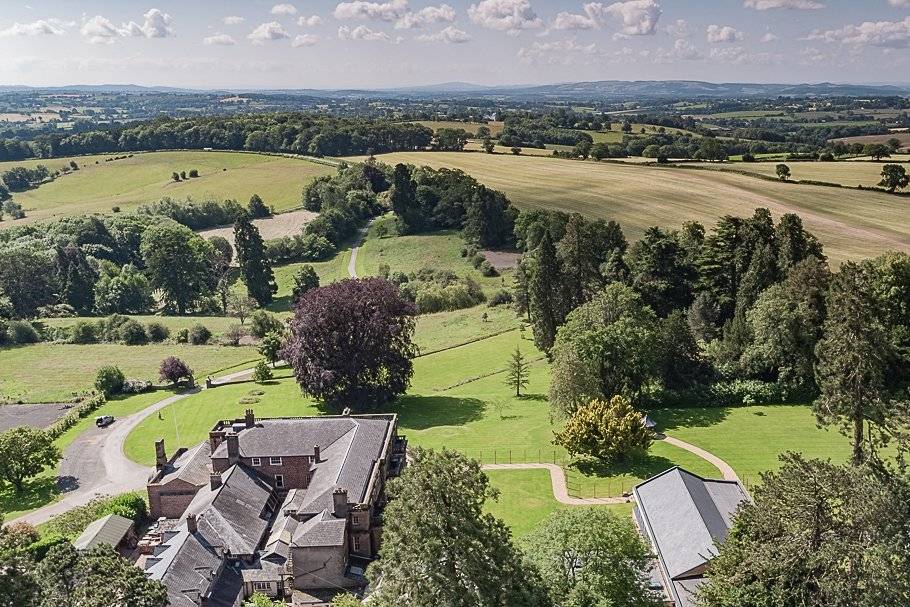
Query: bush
column 22, row 332
column 262, row 322
column 194, row 173
column 501, row 297
column 156, row 331
column 233, row 335
column 477, row 260
column 487, row 269
column 262, row 373
column 173, row 369
column 135, row 386
column 183, row 336
column 132, row 333
column 84, row 332
column 109, row 380
column 72, row 523
column 200, row 335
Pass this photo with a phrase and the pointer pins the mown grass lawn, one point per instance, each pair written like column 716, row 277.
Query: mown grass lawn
column 52, row 372
column 146, row 177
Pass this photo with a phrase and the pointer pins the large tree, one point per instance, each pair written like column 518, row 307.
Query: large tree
column 660, row 272
column 894, row 177
column 28, row 278
column 852, row 360
column 96, row 578
column 606, row 347
column 579, row 262
column 607, row 430
column 122, row 290
column 24, row 453
column 546, row 300
column 590, row 557
column 817, row 535
column 254, row 266
column 178, row 263
column 439, row 547
column 350, row 343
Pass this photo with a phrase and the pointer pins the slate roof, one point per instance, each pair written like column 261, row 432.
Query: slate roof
column 234, row 516
column 193, row 466
column 187, row 565
column 109, row 530
column 320, row 531
column 684, row 516
column 349, row 448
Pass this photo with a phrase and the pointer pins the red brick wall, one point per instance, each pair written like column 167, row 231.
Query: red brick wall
column 170, row 500
column 295, row 470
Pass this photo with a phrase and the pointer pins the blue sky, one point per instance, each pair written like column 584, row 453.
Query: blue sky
column 387, row 43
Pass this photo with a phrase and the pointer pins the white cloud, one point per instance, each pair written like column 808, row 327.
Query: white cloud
column 639, row 17
column 426, row 16
column 764, row 5
column 100, row 30
column 41, row 27
column 219, row 40
column 448, row 35
column 268, row 31
column 305, row 40
column 505, row 15
column 284, row 9
column 311, row 21
column 884, row 34
column 362, row 32
column 233, row 20
column 683, row 49
column 769, row 37
column 737, row 55
column 557, row 52
column 384, row 11
column 723, row 33
column 679, row 29
column 574, row 21
column 899, row 2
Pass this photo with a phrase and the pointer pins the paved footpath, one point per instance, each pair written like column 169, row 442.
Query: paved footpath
column 558, row 476
column 352, row 263
column 95, row 465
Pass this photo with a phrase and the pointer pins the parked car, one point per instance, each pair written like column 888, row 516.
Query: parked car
column 103, row 421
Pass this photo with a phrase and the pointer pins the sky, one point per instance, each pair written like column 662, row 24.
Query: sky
column 395, row 43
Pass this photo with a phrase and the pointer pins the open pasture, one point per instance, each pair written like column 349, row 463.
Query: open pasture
column 98, row 186
column 850, row 223
column 851, row 174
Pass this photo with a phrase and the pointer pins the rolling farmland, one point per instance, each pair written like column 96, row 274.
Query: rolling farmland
column 850, row 223
column 129, row 182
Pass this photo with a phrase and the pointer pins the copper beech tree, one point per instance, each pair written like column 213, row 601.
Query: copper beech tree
column 350, row 343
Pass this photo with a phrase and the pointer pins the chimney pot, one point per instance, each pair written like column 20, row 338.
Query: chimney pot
column 233, row 448
column 160, row 454
column 316, row 454
column 191, row 524
column 249, row 418
column 215, row 480
column 340, row 503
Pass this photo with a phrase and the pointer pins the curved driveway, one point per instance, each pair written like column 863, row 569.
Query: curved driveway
column 95, row 465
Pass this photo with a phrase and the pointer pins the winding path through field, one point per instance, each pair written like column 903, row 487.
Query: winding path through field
column 352, row 263
column 95, row 465
column 560, row 488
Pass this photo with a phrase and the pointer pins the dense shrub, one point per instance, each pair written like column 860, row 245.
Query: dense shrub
column 84, row 409
column 199, row 335
column 196, row 215
column 72, row 523
column 487, row 269
column 306, row 247
column 156, row 331
column 501, row 297
column 233, row 335
column 262, row 322
column 729, row 394
column 136, row 386
column 22, row 332
column 109, row 380
column 182, row 336
column 132, row 333
column 84, row 332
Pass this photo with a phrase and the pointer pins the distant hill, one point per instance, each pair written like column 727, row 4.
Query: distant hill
column 576, row 91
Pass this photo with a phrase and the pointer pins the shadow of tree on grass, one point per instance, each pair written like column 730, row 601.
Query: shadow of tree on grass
column 669, row 419
column 644, row 466
column 37, row 492
column 421, row 412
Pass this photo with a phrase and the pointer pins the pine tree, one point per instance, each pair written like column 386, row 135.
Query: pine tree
column 254, row 267
column 517, row 376
column 762, row 273
column 404, row 200
column 77, row 279
column 794, row 243
column 520, row 290
column 545, row 295
column 580, row 271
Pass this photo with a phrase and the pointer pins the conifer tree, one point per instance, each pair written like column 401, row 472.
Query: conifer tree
column 517, row 376
column 545, row 295
column 254, row 267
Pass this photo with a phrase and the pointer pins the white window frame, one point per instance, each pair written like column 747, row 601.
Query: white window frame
column 274, row 461
column 256, row 461
column 279, row 481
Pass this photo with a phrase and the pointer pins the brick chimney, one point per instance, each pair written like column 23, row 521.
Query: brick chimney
column 340, row 503
column 249, row 418
column 215, row 438
column 160, row 455
column 215, row 480
column 191, row 525
column 316, row 458
column 233, row 448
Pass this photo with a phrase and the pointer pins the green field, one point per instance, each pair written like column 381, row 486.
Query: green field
column 851, row 224
column 470, row 127
column 146, row 177
column 48, row 372
column 850, row 174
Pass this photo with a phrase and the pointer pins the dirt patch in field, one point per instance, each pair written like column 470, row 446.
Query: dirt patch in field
column 502, row 260
column 276, row 226
column 36, row 416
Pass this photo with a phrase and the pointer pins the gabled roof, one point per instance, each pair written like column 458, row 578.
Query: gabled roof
column 109, row 530
column 684, row 516
column 193, row 466
column 235, row 515
column 187, row 565
column 320, row 531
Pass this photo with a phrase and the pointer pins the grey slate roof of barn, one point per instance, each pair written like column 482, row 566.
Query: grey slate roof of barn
column 110, row 530
column 193, row 466
column 187, row 565
column 235, row 515
column 684, row 516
